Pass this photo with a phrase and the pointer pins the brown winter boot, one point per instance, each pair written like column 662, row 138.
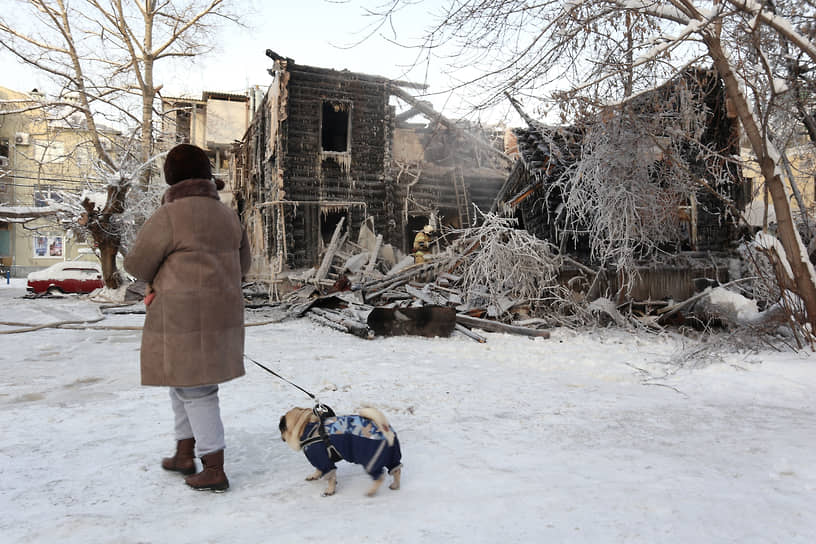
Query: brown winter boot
column 212, row 477
column 184, row 459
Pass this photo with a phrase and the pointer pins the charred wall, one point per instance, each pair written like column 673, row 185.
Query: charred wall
column 337, row 143
column 437, row 191
column 321, row 148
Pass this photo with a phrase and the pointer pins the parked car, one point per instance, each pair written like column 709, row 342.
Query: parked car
column 67, row 277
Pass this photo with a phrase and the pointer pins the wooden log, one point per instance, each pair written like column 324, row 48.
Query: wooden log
column 376, row 288
column 408, row 274
column 346, row 323
column 372, row 296
column 495, row 326
column 395, row 295
column 326, row 322
column 470, row 334
column 420, row 294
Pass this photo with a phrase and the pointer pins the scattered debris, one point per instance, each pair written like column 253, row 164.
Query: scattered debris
column 466, row 285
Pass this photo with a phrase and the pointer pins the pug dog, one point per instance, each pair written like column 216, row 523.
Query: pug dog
column 365, row 438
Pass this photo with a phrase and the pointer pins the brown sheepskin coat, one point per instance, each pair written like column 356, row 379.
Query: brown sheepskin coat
column 194, row 253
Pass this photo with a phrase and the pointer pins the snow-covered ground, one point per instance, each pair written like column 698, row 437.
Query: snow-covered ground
column 575, row 438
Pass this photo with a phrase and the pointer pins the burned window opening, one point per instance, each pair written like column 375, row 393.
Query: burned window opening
column 334, row 130
column 329, row 221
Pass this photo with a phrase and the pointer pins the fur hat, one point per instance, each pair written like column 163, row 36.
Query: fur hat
column 187, row 161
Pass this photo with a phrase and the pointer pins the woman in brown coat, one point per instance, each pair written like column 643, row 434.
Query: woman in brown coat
column 194, row 253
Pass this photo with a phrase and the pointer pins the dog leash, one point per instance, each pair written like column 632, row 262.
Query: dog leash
column 321, row 410
column 314, row 398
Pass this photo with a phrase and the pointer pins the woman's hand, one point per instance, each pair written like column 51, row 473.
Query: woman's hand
column 150, row 294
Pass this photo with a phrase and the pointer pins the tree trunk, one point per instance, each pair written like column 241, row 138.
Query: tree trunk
column 105, row 232
column 147, row 134
column 803, row 273
column 107, row 255
column 148, row 94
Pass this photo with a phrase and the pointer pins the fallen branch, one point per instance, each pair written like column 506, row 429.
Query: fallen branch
column 79, row 325
column 55, row 325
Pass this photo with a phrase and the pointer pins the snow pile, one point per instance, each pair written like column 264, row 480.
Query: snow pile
column 733, row 306
column 106, row 294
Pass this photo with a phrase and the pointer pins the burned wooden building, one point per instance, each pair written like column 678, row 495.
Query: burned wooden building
column 686, row 121
column 327, row 146
column 711, row 213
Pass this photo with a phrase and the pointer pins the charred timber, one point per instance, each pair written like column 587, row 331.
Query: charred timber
column 495, row 326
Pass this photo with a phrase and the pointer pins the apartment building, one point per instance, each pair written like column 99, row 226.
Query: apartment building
column 44, row 154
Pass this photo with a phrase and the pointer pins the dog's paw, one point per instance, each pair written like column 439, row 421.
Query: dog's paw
column 375, row 486
column 396, row 473
column 331, row 477
column 316, row 475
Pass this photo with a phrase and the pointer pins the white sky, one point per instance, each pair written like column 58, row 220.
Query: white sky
column 313, row 32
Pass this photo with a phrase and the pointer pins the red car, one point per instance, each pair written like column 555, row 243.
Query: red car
column 67, row 277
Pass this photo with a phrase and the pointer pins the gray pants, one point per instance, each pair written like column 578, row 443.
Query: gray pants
column 198, row 415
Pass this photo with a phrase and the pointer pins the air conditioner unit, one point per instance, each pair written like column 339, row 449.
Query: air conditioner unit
column 22, row 138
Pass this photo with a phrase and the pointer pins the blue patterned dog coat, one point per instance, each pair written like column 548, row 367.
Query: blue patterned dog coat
column 357, row 440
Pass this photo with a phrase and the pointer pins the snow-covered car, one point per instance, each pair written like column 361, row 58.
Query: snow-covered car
column 67, row 277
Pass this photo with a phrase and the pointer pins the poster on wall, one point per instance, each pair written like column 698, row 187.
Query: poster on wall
column 48, row 246
column 55, row 246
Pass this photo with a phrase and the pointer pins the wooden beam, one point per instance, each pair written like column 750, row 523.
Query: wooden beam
column 470, row 334
column 496, row 326
column 432, row 114
column 334, row 245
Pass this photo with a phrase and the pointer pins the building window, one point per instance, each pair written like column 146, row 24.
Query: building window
column 334, row 130
column 46, row 194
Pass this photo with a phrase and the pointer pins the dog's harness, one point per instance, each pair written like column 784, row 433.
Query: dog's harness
column 318, row 433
